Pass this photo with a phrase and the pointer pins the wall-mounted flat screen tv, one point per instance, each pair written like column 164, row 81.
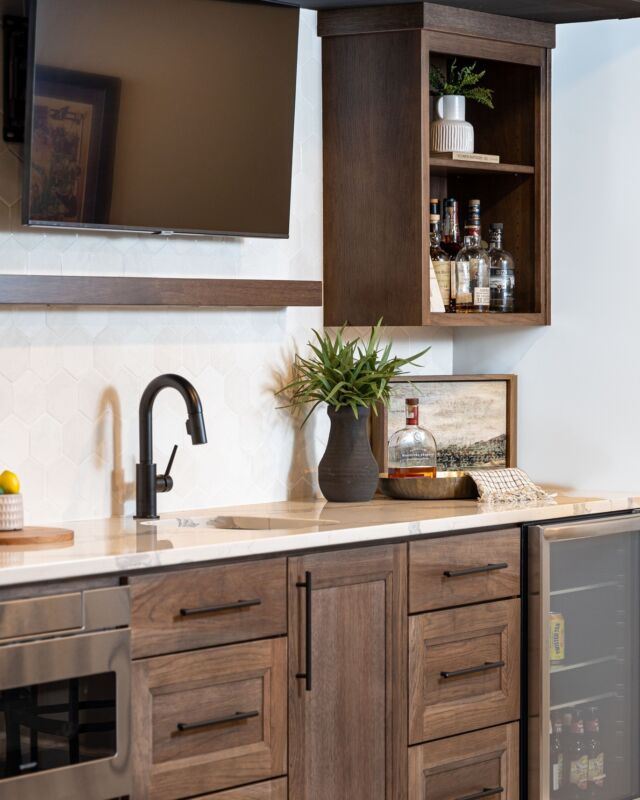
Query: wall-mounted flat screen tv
column 161, row 116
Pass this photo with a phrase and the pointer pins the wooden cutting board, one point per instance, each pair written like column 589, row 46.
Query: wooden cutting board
column 31, row 535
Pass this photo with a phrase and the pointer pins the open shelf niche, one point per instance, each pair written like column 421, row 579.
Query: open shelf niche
column 379, row 172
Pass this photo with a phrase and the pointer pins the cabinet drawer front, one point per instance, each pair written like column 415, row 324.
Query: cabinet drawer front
column 457, row 570
column 467, row 766
column 209, row 606
column 209, row 720
column 464, row 669
column 270, row 790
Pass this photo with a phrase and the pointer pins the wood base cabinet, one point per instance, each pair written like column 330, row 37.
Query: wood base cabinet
column 347, row 675
column 464, row 669
column 209, row 719
column 474, row 766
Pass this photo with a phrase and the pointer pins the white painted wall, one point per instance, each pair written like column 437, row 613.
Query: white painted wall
column 70, row 380
column 579, row 381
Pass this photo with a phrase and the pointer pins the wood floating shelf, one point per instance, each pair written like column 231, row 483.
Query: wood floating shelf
column 485, row 320
column 54, row 290
column 448, row 166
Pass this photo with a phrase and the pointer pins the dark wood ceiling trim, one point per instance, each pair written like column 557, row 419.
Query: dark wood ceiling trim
column 44, row 290
column 432, row 16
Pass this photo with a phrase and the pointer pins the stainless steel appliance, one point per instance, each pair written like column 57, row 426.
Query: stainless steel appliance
column 65, row 696
column 584, row 659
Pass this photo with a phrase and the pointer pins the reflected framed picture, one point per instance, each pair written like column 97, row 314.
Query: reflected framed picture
column 74, row 123
column 472, row 417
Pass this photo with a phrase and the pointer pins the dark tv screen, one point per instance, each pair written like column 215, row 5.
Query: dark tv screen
column 161, row 115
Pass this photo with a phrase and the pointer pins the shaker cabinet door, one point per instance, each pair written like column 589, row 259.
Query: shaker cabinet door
column 347, row 675
column 209, row 720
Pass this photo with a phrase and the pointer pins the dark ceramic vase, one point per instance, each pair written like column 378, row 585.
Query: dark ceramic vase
column 348, row 472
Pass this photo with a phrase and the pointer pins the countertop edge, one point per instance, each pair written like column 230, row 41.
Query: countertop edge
column 59, row 569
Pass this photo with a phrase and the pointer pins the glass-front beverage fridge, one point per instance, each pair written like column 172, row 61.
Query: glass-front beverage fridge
column 584, row 660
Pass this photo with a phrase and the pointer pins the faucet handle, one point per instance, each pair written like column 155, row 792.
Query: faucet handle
column 164, row 483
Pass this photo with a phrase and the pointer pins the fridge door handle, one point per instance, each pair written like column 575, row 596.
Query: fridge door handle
column 629, row 523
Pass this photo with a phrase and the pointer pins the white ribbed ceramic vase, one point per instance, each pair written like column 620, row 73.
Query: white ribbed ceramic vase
column 450, row 133
column 11, row 512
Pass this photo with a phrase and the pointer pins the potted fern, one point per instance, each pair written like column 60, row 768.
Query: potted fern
column 351, row 378
column 451, row 132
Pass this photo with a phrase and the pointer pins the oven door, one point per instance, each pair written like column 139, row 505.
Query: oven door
column 65, row 718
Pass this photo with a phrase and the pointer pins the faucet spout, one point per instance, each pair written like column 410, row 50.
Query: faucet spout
column 148, row 483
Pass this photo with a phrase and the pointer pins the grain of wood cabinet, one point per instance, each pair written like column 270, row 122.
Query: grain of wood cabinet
column 458, row 570
column 379, row 173
column 185, row 609
column 348, row 729
column 467, row 766
column 209, row 719
column 270, row 790
column 464, row 669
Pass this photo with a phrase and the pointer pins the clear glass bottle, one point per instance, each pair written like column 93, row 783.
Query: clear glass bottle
column 472, row 277
column 412, row 449
column 503, row 275
column 439, row 259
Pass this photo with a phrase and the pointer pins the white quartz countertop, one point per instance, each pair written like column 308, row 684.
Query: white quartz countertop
column 118, row 545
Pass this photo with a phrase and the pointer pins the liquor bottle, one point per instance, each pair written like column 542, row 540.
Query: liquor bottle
column 557, row 756
column 451, row 242
column 440, row 260
column 503, row 276
column 567, row 737
column 412, row 449
column 473, row 224
column 578, row 760
column 596, row 770
column 472, row 277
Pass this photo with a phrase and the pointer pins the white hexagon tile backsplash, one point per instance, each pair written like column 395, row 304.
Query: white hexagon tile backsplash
column 71, row 379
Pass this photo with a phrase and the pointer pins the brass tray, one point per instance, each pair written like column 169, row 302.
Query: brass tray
column 445, row 486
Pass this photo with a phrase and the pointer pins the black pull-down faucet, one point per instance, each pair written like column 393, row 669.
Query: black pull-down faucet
column 148, row 483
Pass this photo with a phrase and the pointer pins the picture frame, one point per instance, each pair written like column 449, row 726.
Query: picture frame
column 472, row 417
column 74, row 120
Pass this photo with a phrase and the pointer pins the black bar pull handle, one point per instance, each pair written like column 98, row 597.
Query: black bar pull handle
column 483, row 793
column 456, row 673
column 307, row 585
column 239, row 715
column 189, row 612
column 458, row 573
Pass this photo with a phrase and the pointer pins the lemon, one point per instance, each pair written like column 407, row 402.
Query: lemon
column 9, row 482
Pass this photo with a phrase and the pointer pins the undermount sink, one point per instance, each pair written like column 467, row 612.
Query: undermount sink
column 225, row 522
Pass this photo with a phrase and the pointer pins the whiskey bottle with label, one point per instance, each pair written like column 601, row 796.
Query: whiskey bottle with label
column 451, row 243
column 440, row 260
column 472, row 277
column 503, row 275
column 412, row 449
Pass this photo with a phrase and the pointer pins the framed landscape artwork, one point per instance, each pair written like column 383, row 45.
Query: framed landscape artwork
column 472, row 417
column 73, row 146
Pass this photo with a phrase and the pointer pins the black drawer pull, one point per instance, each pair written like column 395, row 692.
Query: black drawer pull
column 191, row 726
column 483, row 793
column 471, row 670
column 307, row 585
column 458, row 573
column 189, row 612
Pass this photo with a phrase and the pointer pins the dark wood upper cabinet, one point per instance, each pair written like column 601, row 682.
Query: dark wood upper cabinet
column 348, row 725
column 379, row 173
column 554, row 11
